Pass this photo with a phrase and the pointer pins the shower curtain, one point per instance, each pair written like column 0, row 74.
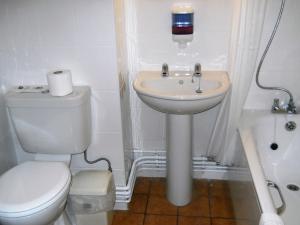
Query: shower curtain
column 248, row 20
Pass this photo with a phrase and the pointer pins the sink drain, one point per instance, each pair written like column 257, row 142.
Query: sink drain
column 274, row 146
column 292, row 187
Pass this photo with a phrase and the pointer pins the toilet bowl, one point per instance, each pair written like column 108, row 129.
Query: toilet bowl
column 53, row 128
column 34, row 193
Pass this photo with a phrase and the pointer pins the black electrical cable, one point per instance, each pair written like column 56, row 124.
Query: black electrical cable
column 98, row 160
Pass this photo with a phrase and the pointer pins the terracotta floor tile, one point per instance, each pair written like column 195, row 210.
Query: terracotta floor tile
column 219, row 192
column 138, row 203
column 231, row 222
column 221, row 207
column 200, row 187
column 240, row 188
column 210, row 199
column 247, row 208
column 142, row 185
column 198, row 207
column 223, row 222
column 160, row 220
column 160, row 205
column 184, row 220
column 126, row 218
column 219, row 188
column 158, row 186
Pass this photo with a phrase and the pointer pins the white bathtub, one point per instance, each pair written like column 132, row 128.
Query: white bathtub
column 258, row 130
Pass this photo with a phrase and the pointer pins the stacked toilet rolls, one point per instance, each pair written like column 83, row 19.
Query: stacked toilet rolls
column 60, row 82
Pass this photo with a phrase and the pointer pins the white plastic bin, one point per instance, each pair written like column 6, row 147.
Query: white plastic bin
column 92, row 197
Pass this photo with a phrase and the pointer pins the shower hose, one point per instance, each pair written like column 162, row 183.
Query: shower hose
column 291, row 101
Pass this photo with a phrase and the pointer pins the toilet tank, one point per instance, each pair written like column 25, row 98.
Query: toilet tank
column 51, row 125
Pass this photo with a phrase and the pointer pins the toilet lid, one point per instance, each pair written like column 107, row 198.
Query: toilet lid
column 32, row 184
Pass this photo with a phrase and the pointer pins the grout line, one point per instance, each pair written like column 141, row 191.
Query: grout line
column 209, row 200
column 204, row 217
column 177, row 213
column 148, row 196
column 177, row 216
column 209, row 203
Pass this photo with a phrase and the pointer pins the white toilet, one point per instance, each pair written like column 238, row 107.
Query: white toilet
column 35, row 192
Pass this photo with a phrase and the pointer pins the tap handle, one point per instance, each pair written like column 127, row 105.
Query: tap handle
column 276, row 102
column 197, row 69
column 291, row 106
column 275, row 106
column 165, row 70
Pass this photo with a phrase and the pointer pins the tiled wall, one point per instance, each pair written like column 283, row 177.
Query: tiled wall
column 150, row 40
column 212, row 29
column 281, row 67
column 38, row 36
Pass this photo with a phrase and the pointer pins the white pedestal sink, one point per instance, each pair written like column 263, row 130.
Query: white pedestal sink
column 176, row 95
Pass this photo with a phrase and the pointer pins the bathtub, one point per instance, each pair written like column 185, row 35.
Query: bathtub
column 273, row 153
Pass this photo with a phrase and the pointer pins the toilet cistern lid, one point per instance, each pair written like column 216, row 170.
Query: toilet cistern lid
column 32, row 184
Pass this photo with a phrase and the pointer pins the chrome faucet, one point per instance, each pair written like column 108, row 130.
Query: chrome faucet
column 165, row 70
column 285, row 108
column 197, row 71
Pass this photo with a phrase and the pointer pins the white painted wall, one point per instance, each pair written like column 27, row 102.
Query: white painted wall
column 281, row 67
column 38, row 36
column 150, row 45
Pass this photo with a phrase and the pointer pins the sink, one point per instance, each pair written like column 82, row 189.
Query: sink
column 176, row 94
column 180, row 98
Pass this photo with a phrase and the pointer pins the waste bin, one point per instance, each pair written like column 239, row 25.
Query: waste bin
column 92, row 198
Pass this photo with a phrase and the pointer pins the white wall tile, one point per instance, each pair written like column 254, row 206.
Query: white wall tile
column 57, row 24
column 94, row 22
column 107, row 145
column 281, row 66
column 21, row 23
column 203, row 124
column 78, row 35
column 211, row 34
column 107, row 111
column 98, row 67
column 152, row 128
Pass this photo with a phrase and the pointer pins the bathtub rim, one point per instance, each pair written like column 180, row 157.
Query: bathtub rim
column 258, row 176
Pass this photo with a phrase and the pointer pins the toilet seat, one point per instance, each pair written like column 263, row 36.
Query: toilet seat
column 31, row 187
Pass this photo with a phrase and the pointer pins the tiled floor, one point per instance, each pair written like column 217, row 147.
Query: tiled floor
column 211, row 205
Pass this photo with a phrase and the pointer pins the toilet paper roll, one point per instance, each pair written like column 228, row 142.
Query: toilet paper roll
column 60, row 82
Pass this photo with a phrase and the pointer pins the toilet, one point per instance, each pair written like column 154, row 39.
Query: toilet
column 54, row 128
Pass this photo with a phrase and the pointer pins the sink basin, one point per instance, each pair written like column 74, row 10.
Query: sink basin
column 176, row 94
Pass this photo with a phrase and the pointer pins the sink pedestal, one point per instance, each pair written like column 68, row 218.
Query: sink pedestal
column 179, row 158
column 179, row 97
